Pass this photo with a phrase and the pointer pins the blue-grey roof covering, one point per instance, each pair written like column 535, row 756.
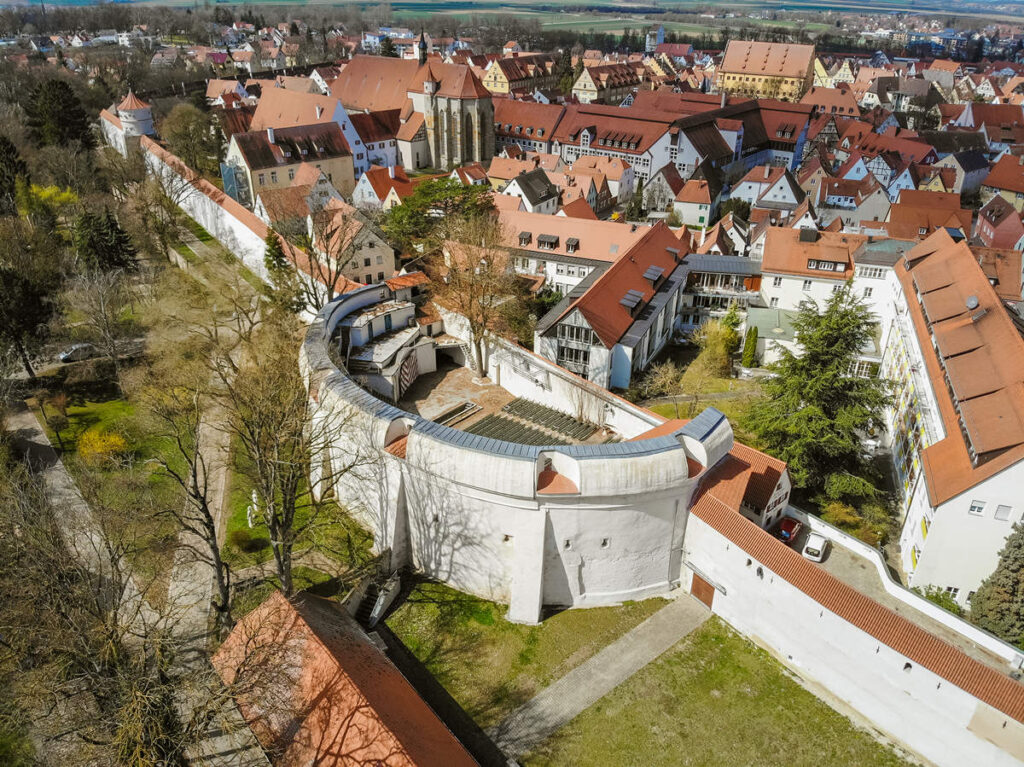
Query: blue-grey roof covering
column 707, row 421
column 340, row 383
column 660, row 299
column 709, row 262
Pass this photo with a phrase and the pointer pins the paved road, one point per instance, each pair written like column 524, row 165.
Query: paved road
column 555, row 706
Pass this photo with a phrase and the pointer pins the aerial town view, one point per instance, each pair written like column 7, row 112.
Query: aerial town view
column 428, row 384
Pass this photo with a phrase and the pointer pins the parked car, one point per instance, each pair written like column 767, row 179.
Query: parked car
column 77, row 353
column 815, row 547
column 788, row 529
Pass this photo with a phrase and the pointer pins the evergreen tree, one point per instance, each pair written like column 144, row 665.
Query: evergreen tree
column 998, row 604
column 817, row 411
column 55, row 116
column 635, row 207
column 284, row 291
column 24, row 312
column 102, row 244
column 12, row 167
column 121, row 251
column 387, row 48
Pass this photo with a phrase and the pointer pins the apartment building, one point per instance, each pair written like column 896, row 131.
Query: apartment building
column 766, row 70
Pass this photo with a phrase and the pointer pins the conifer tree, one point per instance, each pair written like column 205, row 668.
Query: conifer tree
column 12, row 167
column 102, row 244
column 817, row 410
column 998, row 604
column 54, row 115
column 387, row 48
column 284, row 291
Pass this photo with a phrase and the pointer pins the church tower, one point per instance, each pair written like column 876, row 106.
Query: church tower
column 423, row 47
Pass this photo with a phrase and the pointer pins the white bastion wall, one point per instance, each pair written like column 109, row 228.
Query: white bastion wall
column 467, row 510
column 908, row 702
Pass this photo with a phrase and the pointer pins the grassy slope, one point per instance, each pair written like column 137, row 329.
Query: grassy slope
column 714, row 699
column 489, row 665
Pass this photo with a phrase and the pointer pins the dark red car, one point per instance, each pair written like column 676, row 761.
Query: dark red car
column 788, row 529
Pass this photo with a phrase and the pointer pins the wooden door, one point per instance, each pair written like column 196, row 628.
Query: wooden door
column 703, row 590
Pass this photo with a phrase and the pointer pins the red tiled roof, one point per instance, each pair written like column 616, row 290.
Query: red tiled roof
column 774, row 59
column 1007, row 174
column 893, row 630
column 130, row 102
column 601, row 305
column 786, row 253
column 341, row 697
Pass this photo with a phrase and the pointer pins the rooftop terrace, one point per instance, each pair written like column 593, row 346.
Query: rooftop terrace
column 452, row 396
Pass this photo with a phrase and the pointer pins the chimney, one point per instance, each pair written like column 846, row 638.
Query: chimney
column 722, row 103
column 270, row 135
column 767, row 171
column 391, row 171
column 703, row 235
column 319, row 111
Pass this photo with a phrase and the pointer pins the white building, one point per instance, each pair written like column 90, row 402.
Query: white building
column 957, row 431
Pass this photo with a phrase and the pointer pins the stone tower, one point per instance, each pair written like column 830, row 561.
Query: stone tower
column 136, row 117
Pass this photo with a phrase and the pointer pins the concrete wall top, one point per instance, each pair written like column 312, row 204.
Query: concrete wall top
column 646, row 465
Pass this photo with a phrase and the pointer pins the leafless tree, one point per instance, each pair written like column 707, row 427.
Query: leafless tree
column 324, row 248
column 183, row 409
column 270, row 415
column 473, row 276
column 102, row 299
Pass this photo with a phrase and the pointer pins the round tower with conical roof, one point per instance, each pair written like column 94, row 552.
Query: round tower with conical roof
column 136, row 116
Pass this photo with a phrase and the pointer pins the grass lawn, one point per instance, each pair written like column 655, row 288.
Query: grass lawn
column 713, row 699
column 339, row 537
column 131, row 487
column 491, row 666
column 734, row 409
column 200, row 233
column 303, row 579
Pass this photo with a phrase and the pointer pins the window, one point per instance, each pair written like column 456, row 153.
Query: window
column 273, row 177
column 291, row 174
column 1003, row 512
column 977, row 508
column 369, row 279
column 380, row 260
column 807, row 285
column 868, row 292
column 576, row 333
column 836, row 288
column 366, row 262
column 953, row 591
column 380, row 275
column 774, row 303
column 776, row 282
column 263, row 179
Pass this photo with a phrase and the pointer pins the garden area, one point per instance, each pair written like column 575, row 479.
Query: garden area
column 491, row 666
column 713, row 699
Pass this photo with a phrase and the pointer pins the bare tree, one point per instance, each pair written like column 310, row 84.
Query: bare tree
column 271, row 416
column 102, row 299
column 473, row 276
column 325, row 249
column 183, row 409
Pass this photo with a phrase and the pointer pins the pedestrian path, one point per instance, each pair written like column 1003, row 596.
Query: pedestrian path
column 558, row 704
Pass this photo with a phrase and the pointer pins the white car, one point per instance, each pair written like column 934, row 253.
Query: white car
column 815, row 547
column 77, row 353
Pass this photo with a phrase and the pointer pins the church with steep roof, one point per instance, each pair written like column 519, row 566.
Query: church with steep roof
column 446, row 113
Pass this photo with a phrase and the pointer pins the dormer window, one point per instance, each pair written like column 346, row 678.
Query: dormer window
column 540, row 132
column 572, row 245
column 524, row 239
column 547, row 241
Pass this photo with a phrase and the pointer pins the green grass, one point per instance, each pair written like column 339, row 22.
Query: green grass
column 200, row 233
column 336, row 534
column 491, row 666
column 303, row 579
column 713, row 699
column 735, row 409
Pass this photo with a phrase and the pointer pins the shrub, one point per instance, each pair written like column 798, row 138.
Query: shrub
column 243, row 540
column 749, row 359
column 98, row 447
column 940, row 597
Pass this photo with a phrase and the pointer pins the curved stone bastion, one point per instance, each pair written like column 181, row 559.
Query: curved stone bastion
column 532, row 525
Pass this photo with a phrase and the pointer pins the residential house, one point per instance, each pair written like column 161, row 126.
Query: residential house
column 270, row 159
column 607, row 83
column 831, row 101
column 539, row 195
column 378, row 187
column 970, row 169
column 917, row 214
column 528, row 125
column 697, row 202
column 1006, row 179
column 521, row 72
column 661, row 190
column 956, row 433
column 614, row 323
column 766, row 70
column 354, row 245
column 999, row 225
column 618, row 172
